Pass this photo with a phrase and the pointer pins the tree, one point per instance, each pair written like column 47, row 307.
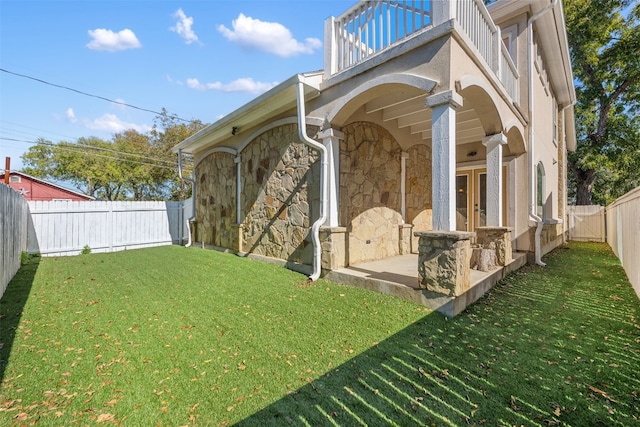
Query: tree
column 131, row 166
column 83, row 164
column 604, row 40
column 168, row 131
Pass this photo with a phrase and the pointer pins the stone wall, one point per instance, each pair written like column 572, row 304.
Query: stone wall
column 370, row 201
column 280, row 194
column 418, row 191
column 216, row 201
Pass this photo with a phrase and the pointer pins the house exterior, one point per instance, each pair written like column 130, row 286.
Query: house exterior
column 434, row 126
column 32, row 188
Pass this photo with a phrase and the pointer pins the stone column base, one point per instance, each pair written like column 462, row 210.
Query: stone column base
column 444, row 261
column 334, row 247
column 501, row 237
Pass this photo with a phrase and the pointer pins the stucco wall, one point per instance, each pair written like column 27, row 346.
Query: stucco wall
column 370, row 201
column 280, row 194
column 216, row 200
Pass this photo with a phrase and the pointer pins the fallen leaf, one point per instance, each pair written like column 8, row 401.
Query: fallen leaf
column 105, row 417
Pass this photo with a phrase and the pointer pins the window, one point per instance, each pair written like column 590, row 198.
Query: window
column 540, row 190
column 14, row 178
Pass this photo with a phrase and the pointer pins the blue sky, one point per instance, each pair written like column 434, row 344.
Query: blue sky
column 198, row 59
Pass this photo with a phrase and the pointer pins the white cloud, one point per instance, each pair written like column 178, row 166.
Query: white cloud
column 109, row 41
column 270, row 37
column 105, row 123
column 71, row 116
column 239, row 85
column 183, row 27
column 111, row 123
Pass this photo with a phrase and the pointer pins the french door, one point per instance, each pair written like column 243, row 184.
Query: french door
column 471, row 198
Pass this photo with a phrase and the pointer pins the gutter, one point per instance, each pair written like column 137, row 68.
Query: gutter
column 304, row 138
column 193, row 197
column 532, row 181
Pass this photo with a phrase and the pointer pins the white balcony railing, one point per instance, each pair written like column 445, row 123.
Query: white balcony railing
column 372, row 26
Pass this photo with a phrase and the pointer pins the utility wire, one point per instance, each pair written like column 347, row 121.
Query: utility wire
column 90, row 94
column 82, row 149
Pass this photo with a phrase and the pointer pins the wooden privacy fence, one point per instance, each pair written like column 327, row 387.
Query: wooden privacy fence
column 586, row 223
column 14, row 218
column 623, row 235
column 66, row 228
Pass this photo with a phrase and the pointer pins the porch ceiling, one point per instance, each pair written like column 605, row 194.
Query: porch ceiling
column 409, row 111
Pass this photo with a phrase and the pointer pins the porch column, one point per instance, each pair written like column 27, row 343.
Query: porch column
column 494, row 145
column 443, row 158
column 331, row 140
column 403, row 185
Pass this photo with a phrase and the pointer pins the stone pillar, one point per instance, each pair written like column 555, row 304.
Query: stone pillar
column 405, row 239
column 443, row 158
column 501, row 236
column 494, row 145
column 444, row 261
column 333, row 241
column 403, row 184
column 331, row 140
column 236, row 239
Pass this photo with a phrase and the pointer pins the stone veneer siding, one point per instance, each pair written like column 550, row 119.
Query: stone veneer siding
column 216, row 201
column 418, row 191
column 370, row 173
column 280, row 194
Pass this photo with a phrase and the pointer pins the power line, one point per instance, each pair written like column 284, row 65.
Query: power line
column 90, row 94
column 81, row 149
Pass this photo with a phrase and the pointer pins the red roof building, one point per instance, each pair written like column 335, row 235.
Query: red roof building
column 32, row 188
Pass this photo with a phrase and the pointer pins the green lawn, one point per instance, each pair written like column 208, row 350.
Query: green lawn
column 174, row 336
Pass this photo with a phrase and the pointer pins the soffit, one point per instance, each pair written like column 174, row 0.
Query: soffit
column 271, row 104
column 409, row 112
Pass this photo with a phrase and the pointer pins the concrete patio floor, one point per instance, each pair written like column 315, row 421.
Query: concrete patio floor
column 398, row 276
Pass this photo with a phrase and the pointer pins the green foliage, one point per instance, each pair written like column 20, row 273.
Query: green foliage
column 86, row 250
column 175, row 336
column 131, row 165
column 604, row 39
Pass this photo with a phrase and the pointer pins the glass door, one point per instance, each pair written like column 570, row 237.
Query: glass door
column 463, row 201
column 480, row 197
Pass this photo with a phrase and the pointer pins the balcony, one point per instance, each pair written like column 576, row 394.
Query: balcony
column 372, row 27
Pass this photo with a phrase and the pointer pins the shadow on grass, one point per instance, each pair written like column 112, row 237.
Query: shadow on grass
column 553, row 346
column 11, row 305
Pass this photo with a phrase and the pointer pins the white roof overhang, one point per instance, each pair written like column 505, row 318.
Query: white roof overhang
column 270, row 104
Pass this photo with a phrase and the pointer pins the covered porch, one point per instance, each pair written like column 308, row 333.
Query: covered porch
column 397, row 276
column 408, row 115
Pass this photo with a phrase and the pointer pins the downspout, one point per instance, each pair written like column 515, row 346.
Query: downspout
column 193, row 198
column 532, row 181
column 304, row 138
column 565, row 225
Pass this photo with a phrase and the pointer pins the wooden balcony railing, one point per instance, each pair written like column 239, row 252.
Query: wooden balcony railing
column 372, row 26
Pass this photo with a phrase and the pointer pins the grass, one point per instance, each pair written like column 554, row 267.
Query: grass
column 174, row 336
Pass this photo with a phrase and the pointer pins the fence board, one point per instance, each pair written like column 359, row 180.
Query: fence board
column 586, row 223
column 66, row 227
column 623, row 223
column 14, row 216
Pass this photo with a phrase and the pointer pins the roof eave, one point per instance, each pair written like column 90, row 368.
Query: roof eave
column 275, row 100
